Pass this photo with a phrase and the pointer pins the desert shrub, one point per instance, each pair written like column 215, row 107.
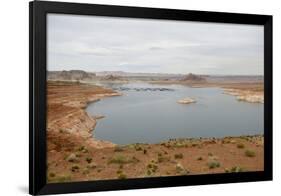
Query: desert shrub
column 240, row 145
column 199, row 158
column 118, row 149
column 194, row 144
column 91, row 166
column 210, row 154
column 138, row 148
column 179, row 145
column 120, row 159
column 75, row 168
column 179, row 156
column 122, row 176
column 144, row 151
column 119, row 171
column 163, row 159
column 89, row 159
column 83, row 149
column 61, row 178
column 250, row 153
column 51, row 174
column 181, row 170
column 151, row 168
column 236, row 169
column 72, row 158
column 61, row 130
column 213, row 164
column 85, row 171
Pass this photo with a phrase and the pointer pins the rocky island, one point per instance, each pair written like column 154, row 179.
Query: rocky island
column 186, row 100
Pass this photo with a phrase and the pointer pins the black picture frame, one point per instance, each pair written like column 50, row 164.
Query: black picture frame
column 37, row 97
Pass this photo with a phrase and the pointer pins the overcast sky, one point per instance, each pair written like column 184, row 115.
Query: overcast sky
column 94, row 43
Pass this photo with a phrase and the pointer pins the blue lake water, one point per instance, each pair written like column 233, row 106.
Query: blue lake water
column 152, row 116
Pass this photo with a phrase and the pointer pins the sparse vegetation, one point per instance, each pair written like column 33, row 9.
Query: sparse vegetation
column 181, row 170
column 91, row 166
column 120, row 159
column 163, row 159
column 138, row 147
column 83, row 149
column 122, row 176
column 89, row 159
column 51, row 174
column 210, row 154
column 118, row 149
column 213, row 164
column 199, row 158
column 75, row 168
column 234, row 169
column 72, row 158
column 61, row 178
column 240, row 145
column 250, row 153
column 179, row 156
column 151, row 168
column 85, row 171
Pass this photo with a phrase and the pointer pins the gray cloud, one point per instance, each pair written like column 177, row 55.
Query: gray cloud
column 96, row 43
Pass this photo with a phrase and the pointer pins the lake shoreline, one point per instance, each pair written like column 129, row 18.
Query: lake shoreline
column 74, row 155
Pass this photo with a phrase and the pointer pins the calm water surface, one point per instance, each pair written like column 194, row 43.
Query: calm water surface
column 153, row 115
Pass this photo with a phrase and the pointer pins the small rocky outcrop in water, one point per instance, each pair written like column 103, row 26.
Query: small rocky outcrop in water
column 186, row 100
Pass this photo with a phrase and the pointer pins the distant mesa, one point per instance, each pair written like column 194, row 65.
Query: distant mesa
column 186, row 100
column 70, row 75
column 193, row 78
column 112, row 77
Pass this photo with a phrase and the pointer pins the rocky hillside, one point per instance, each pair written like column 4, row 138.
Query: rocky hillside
column 70, row 75
column 193, row 78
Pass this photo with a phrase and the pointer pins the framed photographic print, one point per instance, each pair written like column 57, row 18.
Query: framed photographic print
column 130, row 97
